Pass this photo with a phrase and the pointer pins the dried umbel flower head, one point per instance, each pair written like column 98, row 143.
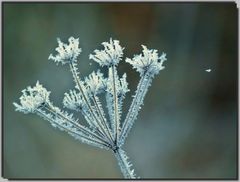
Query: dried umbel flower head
column 148, row 62
column 32, row 98
column 66, row 52
column 111, row 55
column 107, row 132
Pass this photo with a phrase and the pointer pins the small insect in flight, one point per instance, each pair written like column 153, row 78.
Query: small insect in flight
column 208, row 70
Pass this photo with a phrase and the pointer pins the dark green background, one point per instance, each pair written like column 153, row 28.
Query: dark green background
column 188, row 125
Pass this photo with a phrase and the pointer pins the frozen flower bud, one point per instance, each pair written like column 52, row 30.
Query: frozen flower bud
column 111, row 55
column 148, row 62
column 32, row 98
column 66, row 52
column 73, row 100
column 95, row 82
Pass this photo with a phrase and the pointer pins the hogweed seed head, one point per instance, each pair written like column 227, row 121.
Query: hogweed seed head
column 111, row 55
column 108, row 133
column 32, row 98
column 66, row 52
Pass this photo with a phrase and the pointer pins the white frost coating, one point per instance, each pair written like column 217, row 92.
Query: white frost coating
column 73, row 100
column 89, row 112
column 109, row 106
column 111, row 55
column 67, row 120
column 149, row 61
column 64, row 125
column 123, row 86
column 148, row 65
column 108, row 133
column 142, row 88
column 66, row 52
column 124, row 164
column 114, row 89
column 32, row 98
column 95, row 82
column 101, row 116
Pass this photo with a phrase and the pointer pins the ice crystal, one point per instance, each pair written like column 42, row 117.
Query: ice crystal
column 102, row 131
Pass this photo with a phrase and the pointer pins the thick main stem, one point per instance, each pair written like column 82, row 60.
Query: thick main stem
column 124, row 164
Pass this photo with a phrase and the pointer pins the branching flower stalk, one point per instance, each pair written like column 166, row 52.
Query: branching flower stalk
column 103, row 132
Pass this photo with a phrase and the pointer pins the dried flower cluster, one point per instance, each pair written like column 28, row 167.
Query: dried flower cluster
column 106, row 132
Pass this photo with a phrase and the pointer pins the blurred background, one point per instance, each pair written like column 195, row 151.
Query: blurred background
column 188, row 125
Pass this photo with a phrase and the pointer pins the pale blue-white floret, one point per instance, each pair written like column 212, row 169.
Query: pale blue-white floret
column 95, row 82
column 66, row 52
column 111, row 55
column 32, row 98
column 108, row 133
column 148, row 62
column 73, row 100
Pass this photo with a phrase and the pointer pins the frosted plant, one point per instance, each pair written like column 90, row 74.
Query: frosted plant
column 107, row 132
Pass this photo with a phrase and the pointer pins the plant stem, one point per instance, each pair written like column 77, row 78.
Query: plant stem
column 85, row 98
column 124, row 164
column 102, row 117
column 116, row 117
column 135, row 107
column 95, row 142
column 77, row 125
